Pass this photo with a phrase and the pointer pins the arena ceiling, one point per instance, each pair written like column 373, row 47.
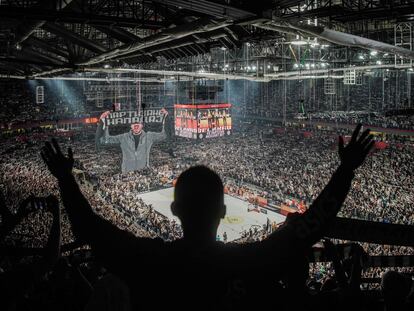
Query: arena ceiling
column 257, row 40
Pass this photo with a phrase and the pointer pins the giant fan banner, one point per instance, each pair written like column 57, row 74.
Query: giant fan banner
column 131, row 117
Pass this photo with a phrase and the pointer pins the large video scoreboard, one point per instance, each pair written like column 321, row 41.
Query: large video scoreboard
column 202, row 120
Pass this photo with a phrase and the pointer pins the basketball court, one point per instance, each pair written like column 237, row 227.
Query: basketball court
column 236, row 220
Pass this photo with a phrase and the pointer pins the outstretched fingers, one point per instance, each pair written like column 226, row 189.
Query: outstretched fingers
column 369, row 147
column 356, row 132
column 56, row 146
column 45, row 156
column 367, row 140
column 70, row 154
column 58, row 163
column 48, row 149
column 49, row 156
column 363, row 136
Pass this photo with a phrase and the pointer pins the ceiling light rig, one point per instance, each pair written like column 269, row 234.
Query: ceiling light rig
column 315, row 43
column 299, row 42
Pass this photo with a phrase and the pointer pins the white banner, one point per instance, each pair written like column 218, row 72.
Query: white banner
column 130, row 117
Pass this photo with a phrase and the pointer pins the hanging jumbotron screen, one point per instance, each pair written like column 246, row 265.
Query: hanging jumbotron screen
column 202, row 120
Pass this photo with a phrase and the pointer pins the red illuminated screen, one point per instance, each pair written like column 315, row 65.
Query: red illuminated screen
column 203, row 120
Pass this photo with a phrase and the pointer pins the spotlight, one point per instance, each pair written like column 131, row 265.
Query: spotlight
column 373, row 53
column 106, row 66
column 296, row 65
column 299, row 42
column 379, row 62
column 361, row 56
column 315, row 43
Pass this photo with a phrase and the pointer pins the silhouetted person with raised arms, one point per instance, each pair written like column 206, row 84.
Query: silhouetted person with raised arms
column 197, row 272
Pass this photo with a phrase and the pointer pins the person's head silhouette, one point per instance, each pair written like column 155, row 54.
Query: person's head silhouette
column 199, row 203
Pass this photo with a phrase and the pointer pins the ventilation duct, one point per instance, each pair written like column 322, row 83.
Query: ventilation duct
column 346, row 39
column 167, row 35
column 336, row 37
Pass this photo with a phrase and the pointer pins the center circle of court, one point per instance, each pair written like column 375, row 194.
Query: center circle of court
column 233, row 220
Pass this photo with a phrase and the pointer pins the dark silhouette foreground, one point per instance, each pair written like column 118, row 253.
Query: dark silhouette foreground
column 197, row 272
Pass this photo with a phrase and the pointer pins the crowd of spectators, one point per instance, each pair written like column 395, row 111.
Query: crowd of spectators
column 284, row 166
column 19, row 105
column 369, row 118
column 279, row 168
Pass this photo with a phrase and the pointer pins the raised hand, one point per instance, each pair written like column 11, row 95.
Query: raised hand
column 59, row 165
column 31, row 204
column 353, row 155
column 103, row 117
column 164, row 112
column 35, row 204
column 26, row 205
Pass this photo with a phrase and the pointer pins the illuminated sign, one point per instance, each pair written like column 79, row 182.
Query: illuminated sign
column 202, row 120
